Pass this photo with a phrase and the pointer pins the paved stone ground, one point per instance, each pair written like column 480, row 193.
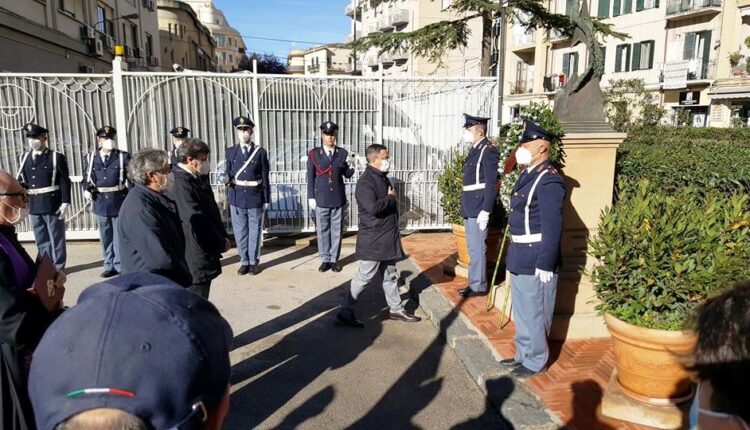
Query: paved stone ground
column 294, row 368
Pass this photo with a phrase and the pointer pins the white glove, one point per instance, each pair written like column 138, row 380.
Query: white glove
column 63, row 209
column 223, row 178
column 543, row 275
column 266, row 206
column 87, row 195
column 311, row 203
column 482, row 219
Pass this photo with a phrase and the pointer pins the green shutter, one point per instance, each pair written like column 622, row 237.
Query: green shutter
column 618, row 58
column 604, row 58
column 569, row 6
column 656, row 4
column 603, row 11
column 627, row 58
column 566, row 65
column 639, row 5
column 636, row 56
column 687, row 52
column 616, row 7
column 706, row 45
column 651, row 47
column 575, row 63
column 628, row 8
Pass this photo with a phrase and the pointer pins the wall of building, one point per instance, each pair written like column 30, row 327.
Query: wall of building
column 184, row 39
column 230, row 47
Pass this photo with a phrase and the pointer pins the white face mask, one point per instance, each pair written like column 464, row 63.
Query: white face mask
column 35, row 144
column 168, row 182
column 468, row 136
column 177, row 142
column 524, row 156
column 108, row 144
column 205, row 168
column 385, row 166
column 244, row 135
column 22, row 214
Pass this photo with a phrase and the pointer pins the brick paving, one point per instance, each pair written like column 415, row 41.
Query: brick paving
column 573, row 385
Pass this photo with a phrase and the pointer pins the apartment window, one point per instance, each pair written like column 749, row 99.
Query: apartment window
column 622, row 7
column 622, row 58
column 149, row 45
column 643, row 55
column 697, row 46
column 570, row 64
column 67, row 6
column 134, row 36
column 646, row 4
column 101, row 19
column 603, row 11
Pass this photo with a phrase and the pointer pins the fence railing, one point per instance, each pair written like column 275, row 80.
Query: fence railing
column 418, row 119
column 682, row 6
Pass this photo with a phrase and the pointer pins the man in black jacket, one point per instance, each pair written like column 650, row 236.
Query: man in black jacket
column 151, row 238
column 378, row 241
column 205, row 235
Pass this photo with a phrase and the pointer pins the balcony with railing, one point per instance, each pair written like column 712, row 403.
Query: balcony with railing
column 313, row 68
column 400, row 17
column 696, row 69
column 525, row 41
column 679, row 9
column 384, row 23
column 557, row 36
column 353, row 66
column 349, row 10
column 521, row 86
column 373, row 27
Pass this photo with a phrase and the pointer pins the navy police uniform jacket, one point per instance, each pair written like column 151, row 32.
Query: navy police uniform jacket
column 325, row 177
column 378, row 237
column 106, row 202
column 536, row 221
column 151, row 238
column 480, row 179
column 256, row 170
column 50, row 169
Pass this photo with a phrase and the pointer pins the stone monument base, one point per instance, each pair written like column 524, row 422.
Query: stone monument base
column 618, row 405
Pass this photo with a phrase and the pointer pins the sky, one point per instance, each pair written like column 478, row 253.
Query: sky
column 317, row 21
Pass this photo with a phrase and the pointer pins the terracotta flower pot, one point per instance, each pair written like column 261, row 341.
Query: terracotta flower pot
column 493, row 244
column 649, row 361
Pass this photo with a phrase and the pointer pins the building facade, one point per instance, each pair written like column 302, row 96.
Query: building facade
column 680, row 48
column 230, row 47
column 184, row 40
column 410, row 15
column 324, row 60
column 75, row 36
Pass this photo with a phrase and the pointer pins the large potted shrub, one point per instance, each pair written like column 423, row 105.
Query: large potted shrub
column 659, row 254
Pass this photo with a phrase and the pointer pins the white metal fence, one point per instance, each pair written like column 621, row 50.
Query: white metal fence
column 418, row 119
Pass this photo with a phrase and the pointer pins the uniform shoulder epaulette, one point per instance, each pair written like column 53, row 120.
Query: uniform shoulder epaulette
column 551, row 169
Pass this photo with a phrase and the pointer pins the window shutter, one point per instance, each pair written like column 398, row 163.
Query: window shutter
column 628, row 8
column 575, row 64
column 638, row 5
column 604, row 58
column 618, row 58
column 569, row 6
column 627, row 58
column 566, row 65
column 689, row 49
column 706, row 45
column 636, row 56
column 656, row 4
column 603, row 11
column 616, row 7
column 651, row 46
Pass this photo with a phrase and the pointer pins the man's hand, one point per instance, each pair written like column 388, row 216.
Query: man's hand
column 312, row 204
column 62, row 210
column 391, row 191
column 543, row 275
column 483, row 219
column 87, row 195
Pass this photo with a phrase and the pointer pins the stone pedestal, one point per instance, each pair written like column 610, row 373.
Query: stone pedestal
column 618, row 405
column 589, row 171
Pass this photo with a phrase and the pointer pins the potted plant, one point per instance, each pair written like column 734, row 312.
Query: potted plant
column 658, row 255
column 734, row 60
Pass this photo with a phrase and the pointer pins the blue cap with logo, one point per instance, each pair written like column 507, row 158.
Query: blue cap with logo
column 471, row 120
column 106, row 131
column 243, row 121
column 180, row 132
column 138, row 343
column 328, row 127
column 531, row 131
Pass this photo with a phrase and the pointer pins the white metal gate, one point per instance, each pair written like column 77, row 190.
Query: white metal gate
column 418, row 119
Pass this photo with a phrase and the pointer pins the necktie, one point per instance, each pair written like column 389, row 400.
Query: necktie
column 245, row 152
column 106, row 160
column 36, row 159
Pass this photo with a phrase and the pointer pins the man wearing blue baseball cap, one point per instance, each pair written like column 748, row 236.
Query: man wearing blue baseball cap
column 137, row 351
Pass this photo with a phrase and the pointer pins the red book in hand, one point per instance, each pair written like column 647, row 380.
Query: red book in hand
column 44, row 283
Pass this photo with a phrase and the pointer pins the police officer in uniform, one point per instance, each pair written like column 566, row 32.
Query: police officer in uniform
column 179, row 134
column 326, row 168
column 478, row 200
column 535, row 221
column 105, row 184
column 249, row 195
column 44, row 173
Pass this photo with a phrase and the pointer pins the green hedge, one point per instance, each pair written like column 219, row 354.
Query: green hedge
column 674, row 157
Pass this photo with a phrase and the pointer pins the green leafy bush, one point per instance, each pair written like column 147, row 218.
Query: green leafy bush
column 660, row 254
column 675, row 157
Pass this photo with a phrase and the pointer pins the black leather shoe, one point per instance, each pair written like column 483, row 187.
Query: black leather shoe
column 243, row 270
column 254, row 269
column 522, row 372
column 336, row 267
column 468, row 292
column 347, row 318
column 109, row 273
column 510, row 362
column 403, row 316
column 324, row 267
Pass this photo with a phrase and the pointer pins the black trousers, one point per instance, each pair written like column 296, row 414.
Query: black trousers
column 201, row 289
